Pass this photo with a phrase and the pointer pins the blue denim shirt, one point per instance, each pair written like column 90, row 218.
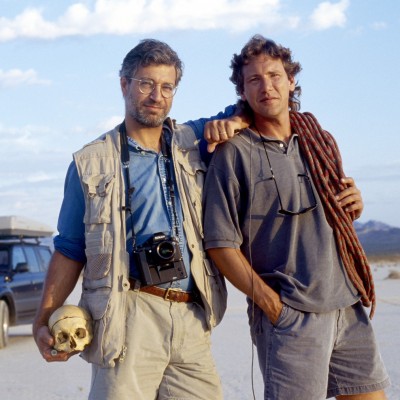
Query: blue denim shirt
column 152, row 208
column 151, row 203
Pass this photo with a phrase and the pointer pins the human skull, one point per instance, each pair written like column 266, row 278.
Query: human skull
column 71, row 327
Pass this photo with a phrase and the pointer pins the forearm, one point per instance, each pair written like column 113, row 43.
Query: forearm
column 62, row 275
column 235, row 267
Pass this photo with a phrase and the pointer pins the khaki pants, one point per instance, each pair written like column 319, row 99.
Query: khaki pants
column 168, row 355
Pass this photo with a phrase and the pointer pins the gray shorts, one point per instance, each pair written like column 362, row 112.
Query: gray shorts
column 308, row 356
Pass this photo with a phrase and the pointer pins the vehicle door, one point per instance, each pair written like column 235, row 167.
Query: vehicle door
column 37, row 278
column 4, row 261
column 21, row 283
column 44, row 255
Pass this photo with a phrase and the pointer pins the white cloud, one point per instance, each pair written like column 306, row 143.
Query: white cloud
column 39, row 176
column 121, row 17
column 379, row 25
column 17, row 77
column 35, row 144
column 329, row 15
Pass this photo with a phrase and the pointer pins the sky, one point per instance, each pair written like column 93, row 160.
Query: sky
column 59, row 84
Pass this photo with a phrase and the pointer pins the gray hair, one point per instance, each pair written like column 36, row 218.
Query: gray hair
column 151, row 52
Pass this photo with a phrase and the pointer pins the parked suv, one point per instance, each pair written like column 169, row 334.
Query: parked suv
column 23, row 267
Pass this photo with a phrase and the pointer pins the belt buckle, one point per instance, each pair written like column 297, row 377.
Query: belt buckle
column 169, row 291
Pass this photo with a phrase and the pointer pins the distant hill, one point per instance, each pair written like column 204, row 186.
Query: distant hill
column 380, row 241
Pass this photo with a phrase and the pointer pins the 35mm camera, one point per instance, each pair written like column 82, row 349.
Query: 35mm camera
column 159, row 260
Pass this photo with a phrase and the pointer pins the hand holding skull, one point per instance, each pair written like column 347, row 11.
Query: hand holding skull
column 71, row 327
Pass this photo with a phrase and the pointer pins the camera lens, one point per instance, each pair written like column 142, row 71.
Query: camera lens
column 166, row 250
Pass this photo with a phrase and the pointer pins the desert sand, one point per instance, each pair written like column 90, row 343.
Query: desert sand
column 26, row 376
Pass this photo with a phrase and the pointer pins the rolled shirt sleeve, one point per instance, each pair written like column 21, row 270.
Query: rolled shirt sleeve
column 70, row 240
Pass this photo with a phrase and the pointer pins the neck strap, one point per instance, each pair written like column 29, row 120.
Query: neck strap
column 125, row 158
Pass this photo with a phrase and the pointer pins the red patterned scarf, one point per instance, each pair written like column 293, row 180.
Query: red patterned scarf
column 323, row 157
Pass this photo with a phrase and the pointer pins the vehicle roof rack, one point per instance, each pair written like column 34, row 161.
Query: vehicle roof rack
column 15, row 227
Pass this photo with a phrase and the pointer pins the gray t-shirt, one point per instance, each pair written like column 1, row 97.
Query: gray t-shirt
column 296, row 255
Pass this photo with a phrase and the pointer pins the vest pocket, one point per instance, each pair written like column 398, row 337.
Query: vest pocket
column 192, row 176
column 99, row 245
column 96, row 304
column 98, row 202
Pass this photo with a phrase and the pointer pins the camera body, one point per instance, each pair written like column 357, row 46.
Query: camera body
column 159, row 260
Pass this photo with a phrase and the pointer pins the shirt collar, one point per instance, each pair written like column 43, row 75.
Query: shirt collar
column 167, row 131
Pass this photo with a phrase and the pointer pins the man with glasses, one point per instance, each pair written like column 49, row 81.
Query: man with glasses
column 131, row 222
column 278, row 213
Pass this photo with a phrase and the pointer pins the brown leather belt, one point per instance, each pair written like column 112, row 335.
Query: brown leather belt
column 170, row 294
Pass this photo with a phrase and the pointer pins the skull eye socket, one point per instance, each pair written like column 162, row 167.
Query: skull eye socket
column 80, row 333
column 62, row 337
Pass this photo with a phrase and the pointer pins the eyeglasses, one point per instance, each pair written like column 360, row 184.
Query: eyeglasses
column 302, row 178
column 146, row 86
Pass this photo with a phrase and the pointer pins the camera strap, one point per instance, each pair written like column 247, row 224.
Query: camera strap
column 166, row 152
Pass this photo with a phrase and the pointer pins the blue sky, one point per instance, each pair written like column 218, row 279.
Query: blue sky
column 59, row 86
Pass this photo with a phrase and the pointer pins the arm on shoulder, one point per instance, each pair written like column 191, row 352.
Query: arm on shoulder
column 221, row 127
column 220, row 130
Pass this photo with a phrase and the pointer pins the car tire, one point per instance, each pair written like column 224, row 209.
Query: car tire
column 4, row 323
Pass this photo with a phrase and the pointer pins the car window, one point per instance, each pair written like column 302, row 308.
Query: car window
column 18, row 256
column 4, row 260
column 32, row 259
column 44, row 256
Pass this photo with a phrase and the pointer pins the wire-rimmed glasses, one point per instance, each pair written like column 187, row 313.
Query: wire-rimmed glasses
column 147, row 85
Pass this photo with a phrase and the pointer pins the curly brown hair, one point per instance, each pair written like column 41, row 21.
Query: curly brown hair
column 257, row 45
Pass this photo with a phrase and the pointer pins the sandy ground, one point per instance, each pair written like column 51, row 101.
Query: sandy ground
column 24, row 375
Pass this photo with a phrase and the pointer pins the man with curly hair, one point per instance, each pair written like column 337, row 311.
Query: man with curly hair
column 278, row 224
